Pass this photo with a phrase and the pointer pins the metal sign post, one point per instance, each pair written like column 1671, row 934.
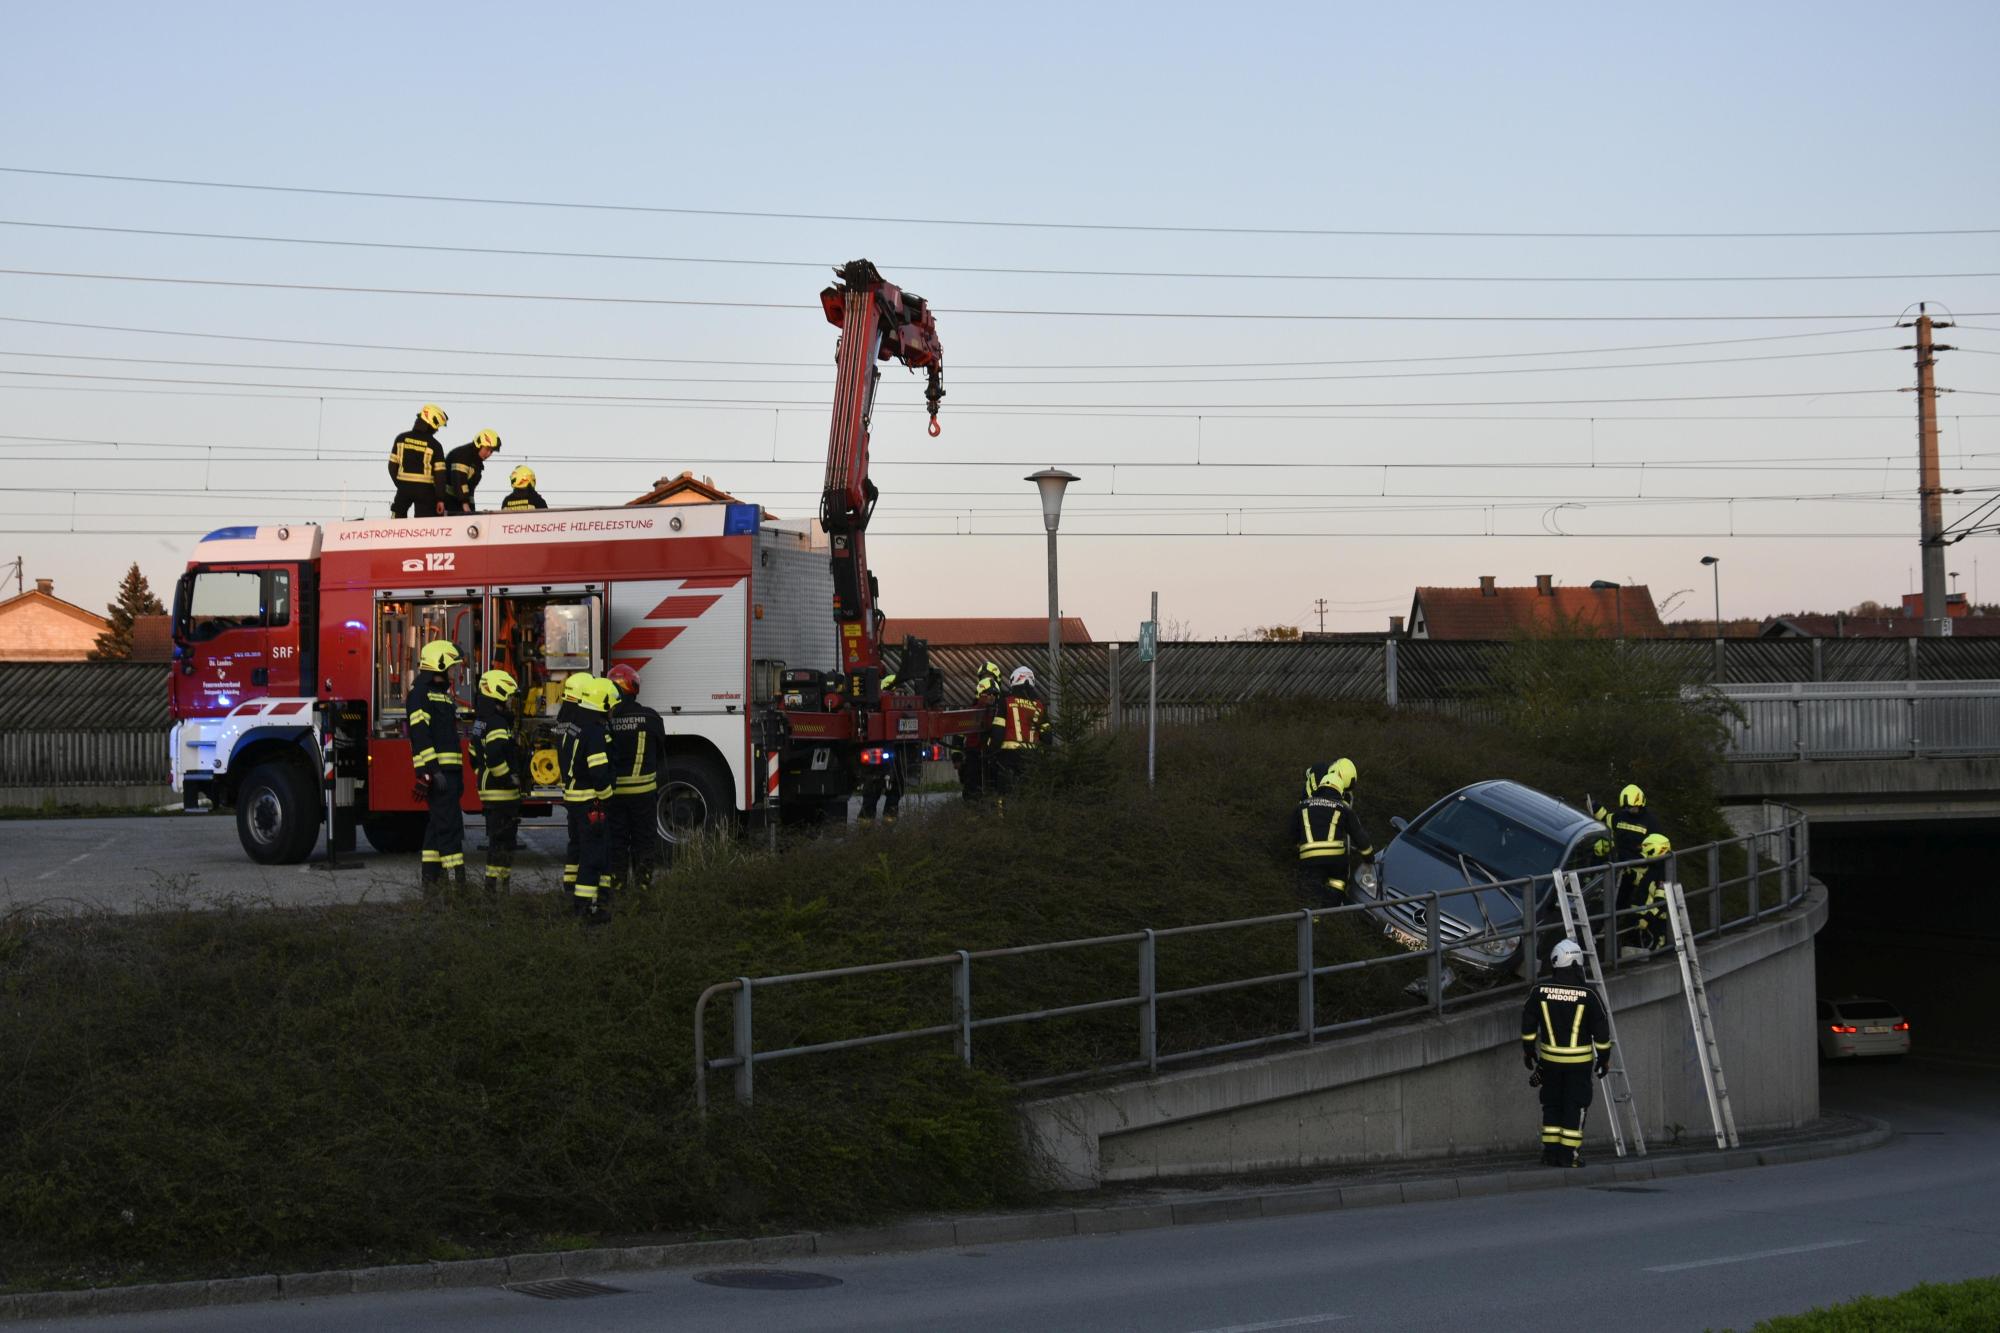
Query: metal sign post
column 1149, row 653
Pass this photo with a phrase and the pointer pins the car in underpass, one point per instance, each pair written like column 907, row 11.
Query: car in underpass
column 1488, row 848
column 1859, row 1028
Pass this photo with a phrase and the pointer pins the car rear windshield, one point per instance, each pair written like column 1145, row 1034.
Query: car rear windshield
column 1866, row 1009
column 1506, row 849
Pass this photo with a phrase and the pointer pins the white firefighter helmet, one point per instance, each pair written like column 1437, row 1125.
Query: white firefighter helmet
column 1022, row 676
column 1567, row 953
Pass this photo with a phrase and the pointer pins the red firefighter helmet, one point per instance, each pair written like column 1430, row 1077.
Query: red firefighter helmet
column 625, row 678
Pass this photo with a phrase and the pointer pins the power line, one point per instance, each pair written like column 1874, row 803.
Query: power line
column 460, row 294
column 957, row 365
column 793, row 402
column 517, row 252
column 1182, row 229
column 823, row 380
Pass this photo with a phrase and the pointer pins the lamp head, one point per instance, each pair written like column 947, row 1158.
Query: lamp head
column 1051, row 481
column 1711, row 560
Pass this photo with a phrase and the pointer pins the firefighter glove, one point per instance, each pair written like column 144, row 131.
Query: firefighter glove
column 1527, row 1059
column 596, row 814
column 421, row 790
column 1603, row 1067
column 1534, row 1078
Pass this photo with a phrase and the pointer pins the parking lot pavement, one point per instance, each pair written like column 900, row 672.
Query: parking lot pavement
column 170, row 860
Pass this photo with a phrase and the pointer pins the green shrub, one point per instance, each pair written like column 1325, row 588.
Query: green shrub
column 1954, row 1307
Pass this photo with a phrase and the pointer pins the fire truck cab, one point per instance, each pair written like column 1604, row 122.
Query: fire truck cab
column 295, row 645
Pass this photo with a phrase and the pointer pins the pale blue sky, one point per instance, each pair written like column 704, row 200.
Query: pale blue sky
column 1689, row 118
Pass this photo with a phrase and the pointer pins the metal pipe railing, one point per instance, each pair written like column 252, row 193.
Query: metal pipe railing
column 1788, row 867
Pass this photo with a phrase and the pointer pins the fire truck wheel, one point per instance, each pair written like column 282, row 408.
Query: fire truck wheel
column 277, row 819
column 694, row 794
column 395, row 833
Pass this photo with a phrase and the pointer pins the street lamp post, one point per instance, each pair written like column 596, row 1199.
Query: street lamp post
column 1714, row 564
column 1051, row 482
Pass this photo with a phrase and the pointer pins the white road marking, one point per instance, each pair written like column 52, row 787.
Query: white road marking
column 1753, row 1255
column 1300, row 1321
column 74, row 859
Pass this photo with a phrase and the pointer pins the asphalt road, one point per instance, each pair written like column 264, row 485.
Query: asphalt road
column 1684, row 1253
column 143, row 862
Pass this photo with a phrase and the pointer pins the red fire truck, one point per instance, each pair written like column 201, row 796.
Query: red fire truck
column 755, row 639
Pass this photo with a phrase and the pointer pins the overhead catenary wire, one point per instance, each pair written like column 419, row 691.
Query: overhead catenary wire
column 904, row 266
column 432, row 293
column 957, row 365
column 724, row 379
column 1027, row 224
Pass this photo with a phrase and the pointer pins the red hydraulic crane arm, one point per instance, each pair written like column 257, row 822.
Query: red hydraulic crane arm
column 878, row 321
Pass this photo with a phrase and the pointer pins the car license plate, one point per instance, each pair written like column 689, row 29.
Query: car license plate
column 1404, row 938
column 1880, row 1029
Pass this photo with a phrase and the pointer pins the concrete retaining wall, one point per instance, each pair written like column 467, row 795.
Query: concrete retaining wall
column 1456, row 1086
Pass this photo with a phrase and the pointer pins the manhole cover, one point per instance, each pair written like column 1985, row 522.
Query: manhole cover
column 1629, row 1189
column 564, row 1289
column 766, row 1279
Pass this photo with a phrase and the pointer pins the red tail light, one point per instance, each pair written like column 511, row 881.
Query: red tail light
column 1838, row 1028
column 1903, row 1026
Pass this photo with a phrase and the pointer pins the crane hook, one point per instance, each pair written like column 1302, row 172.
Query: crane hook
column 936, row 430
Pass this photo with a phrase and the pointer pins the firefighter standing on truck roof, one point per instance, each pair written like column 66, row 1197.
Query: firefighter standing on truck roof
column 1565, row 1037
column 413, row 465
column 501, row 777
column 587, row 788
column 564, row 730
column 524, row 495
column 460, row 471
column 638, row 740
column 1332, row 844
column 433, row 722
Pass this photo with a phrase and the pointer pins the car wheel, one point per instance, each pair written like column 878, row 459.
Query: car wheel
column 694, row 795
column 277, row 817
column 395, row 833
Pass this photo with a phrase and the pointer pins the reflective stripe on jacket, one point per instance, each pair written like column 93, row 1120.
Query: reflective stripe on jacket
column 1564, row 1022
column 432, row 715
column 638, row 739
column 586, row 760
column 1328, row 827
column 413, row 460
column 494, row 751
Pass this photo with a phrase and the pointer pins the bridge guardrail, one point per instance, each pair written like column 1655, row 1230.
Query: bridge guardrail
column 1891, row 720
column 1773, row 858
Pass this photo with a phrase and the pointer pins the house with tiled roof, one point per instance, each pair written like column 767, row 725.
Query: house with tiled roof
column 38, row 626
column 1491, row 612
column 963, row 631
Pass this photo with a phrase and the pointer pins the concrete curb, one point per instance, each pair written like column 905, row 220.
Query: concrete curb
column 943, row 1233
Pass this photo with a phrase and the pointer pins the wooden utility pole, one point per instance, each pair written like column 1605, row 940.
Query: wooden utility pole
column 1320, row 606
column 1930, row 493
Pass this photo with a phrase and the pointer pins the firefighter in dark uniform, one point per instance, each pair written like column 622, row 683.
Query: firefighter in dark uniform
column 524, row 495
column 1020, row 725
column 1627, row 828
column 1649, row 932
column 440, row 769
column 587, row 790
column 638, row 740
column 884, row 784
column 972, row 761
column 414, row 460
column 1565, row 1038
column 1331, row 841
column 461, row 470
column 568, row 715
column 497, row 757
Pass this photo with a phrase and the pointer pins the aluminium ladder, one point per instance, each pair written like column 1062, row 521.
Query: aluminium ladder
column 1695, row 990
column 1576, row 925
